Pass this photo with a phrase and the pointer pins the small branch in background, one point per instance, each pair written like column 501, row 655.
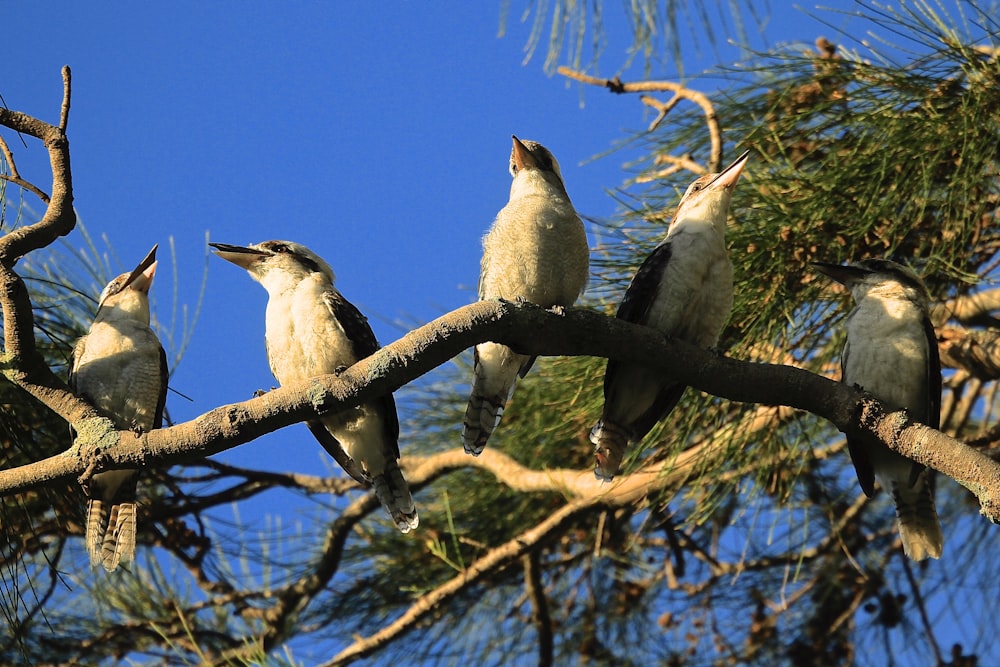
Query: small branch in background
column 15, row 177
column 680, row 92
column 539, row 607
column 977, row 352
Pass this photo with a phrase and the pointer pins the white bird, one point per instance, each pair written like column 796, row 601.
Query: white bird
column 121, row 369
column 311, row 330
column 536, row 251
column 684, row 289
column 892, row 353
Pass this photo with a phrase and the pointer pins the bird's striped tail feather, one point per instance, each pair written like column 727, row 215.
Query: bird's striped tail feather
column 394, row 494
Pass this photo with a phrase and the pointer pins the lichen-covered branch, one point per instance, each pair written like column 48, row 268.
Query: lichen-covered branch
column 533, row 330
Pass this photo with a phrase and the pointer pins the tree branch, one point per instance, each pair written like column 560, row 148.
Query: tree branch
column 21, row 362
column 532, row 330
column 618, row 87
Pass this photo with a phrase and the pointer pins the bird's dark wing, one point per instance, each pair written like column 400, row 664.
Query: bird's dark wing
column 666, row 400
column 364, row 344
column 933, row 416
column 856, row 448
column 354, row 323
column 641, row 291
column 161, row 400
column 333, row 448
column 637, row 300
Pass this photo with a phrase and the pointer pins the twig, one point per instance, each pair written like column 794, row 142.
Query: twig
column 15, row 178
column 618, row 87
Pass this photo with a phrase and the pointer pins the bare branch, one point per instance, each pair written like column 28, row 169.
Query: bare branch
column 618, row 87
column 528, row 329
column 21, row 362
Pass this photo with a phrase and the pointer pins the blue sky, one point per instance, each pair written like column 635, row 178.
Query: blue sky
column 376, row 135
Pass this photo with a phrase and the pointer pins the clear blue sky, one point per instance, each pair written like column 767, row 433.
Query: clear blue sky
column 377, row 134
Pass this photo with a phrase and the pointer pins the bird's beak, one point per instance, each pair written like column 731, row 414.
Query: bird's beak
column 728, row 177
column 239, row 255
column 141, row 277
column 521, row 155
column 844, row 274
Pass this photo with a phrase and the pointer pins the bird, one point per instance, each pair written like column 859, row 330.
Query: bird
column 892, row 353
column 536, row 251
column 312, row 330
column 684, row 289
column 120, row 368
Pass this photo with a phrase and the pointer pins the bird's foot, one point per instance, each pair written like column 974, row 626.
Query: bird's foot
column 340, row 369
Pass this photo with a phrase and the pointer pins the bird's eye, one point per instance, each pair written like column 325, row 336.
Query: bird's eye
column 279, row 247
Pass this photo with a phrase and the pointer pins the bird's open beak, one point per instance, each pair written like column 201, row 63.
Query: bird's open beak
column 728, row 177
column 142, row 276
column 241, row 256
column 521, row 155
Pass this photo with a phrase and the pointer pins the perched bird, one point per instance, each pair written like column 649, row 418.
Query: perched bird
column 311, row 330
column 892, row 353
column 120, row 368
column 684, row 289
column 536, row 251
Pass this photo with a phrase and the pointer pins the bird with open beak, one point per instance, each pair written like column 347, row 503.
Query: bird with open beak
column 683, row 289
column 536, row 251
column 121, row 369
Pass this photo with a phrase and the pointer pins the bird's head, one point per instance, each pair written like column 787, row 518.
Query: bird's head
column 127, row 296
column 707, row 199
column 275, row 263
column 879, row 277
column 529, row 160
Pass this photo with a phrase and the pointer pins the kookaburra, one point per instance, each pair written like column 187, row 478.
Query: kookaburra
column 684, row 289
column 311, row 330
column 121, row 369
column 536, row 251
column 892, row 353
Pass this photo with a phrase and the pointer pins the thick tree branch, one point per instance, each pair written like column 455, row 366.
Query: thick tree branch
column 528, row 329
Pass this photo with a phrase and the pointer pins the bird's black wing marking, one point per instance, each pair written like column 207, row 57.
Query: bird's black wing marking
column 930, row 413
column 364, row 344
column 333, row 448
column 666, row 400
column 638, row 298
column 161, row 400
column 933, row 416
column 856, row 448
column 639, row 295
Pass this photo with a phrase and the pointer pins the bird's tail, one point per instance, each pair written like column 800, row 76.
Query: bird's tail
column 610, row 442
column 496, row 371
column 394, row 494
column 110, row 533
column 919, row 527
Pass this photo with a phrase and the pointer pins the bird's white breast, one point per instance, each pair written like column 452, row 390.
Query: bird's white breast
column 887, row 351
column 695, row 294
column 303, row 337
column 537, row 249
column 118, row 367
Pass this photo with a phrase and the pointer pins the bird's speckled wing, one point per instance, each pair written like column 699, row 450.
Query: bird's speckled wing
column 364, row 344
